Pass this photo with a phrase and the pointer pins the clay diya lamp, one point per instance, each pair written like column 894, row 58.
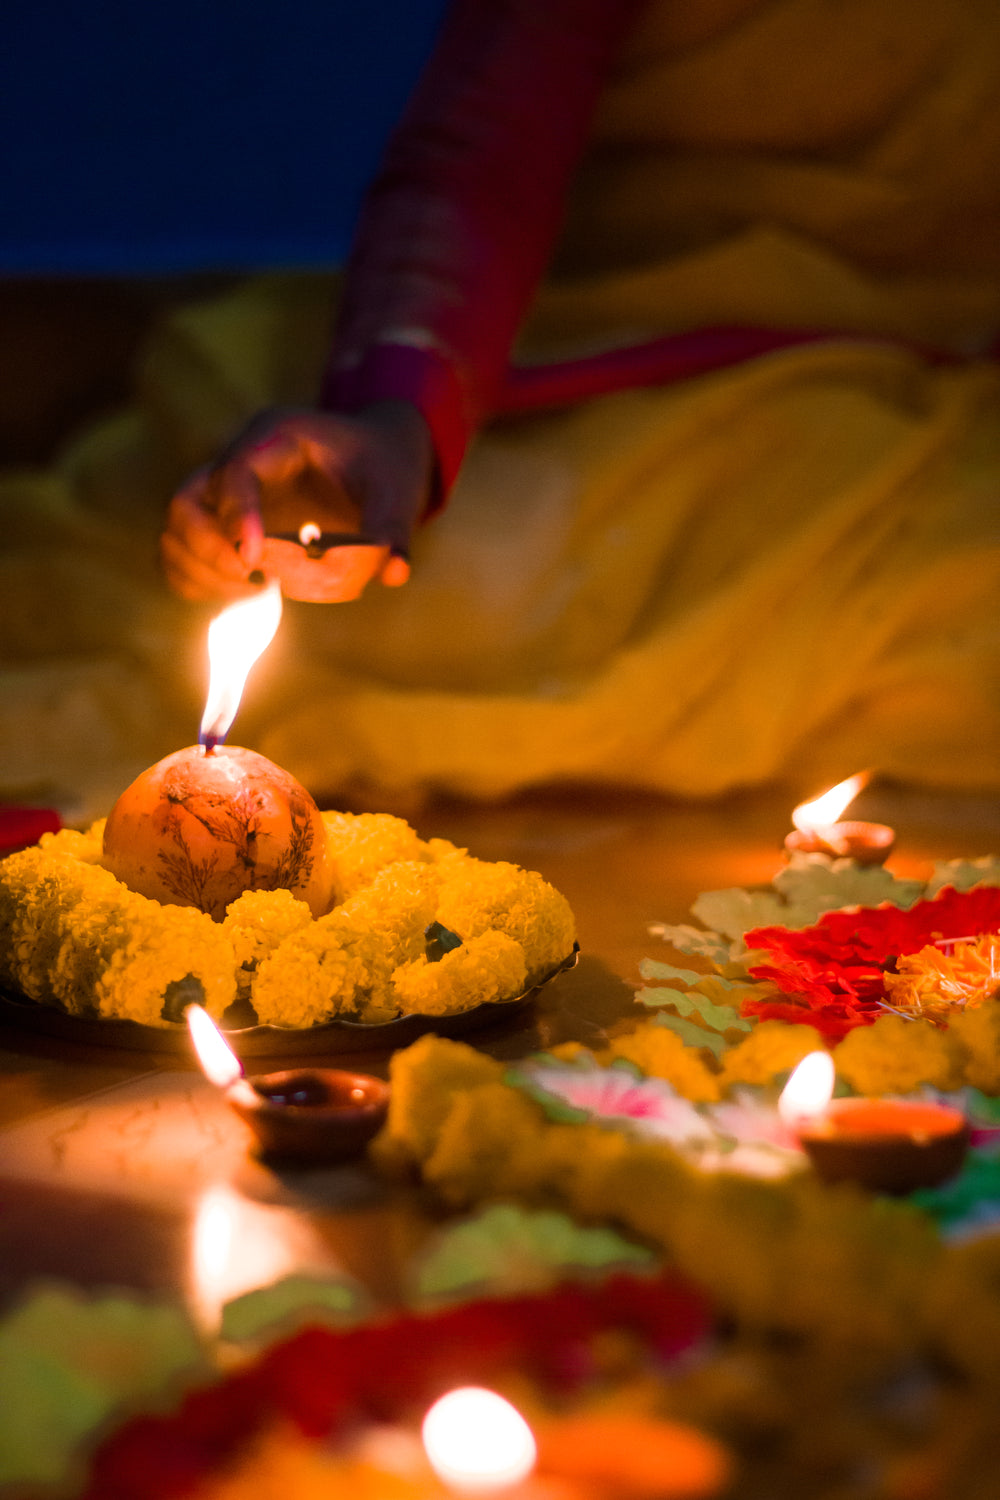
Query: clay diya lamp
column 316, row 1116
column 819, row 829
column 886, row 1145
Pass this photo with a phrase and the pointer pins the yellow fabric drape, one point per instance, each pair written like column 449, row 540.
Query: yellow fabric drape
column 785, row 570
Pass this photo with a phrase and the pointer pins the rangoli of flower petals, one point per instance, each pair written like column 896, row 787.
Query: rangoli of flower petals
column 833, row 975
column 320, row 1381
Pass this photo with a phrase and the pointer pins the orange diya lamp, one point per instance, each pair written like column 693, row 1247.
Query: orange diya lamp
column 819, row 830
column 887, row 1145
column 311, row 1116
column 213, row 820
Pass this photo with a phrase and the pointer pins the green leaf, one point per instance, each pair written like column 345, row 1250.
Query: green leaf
column 438, row 941
column 692, row 1035
column 694, row 940
column 800, row 893
column 717, row 1017
column 963, row 874
column 506, row 1249
column 291, row 1303
column 652, row 968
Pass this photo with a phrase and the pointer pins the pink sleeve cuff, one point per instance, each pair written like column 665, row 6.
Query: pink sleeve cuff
column 403, row 372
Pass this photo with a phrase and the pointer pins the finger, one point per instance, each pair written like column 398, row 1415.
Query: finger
column 196, row 530
column 193, row 578
column 239, row 509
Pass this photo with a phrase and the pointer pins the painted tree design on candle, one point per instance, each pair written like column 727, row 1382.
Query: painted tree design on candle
column 237, row 823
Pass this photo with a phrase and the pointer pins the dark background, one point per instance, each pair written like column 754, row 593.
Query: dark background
column 152, row 151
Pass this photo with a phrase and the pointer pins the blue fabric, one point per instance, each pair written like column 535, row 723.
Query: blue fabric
column 141, row 137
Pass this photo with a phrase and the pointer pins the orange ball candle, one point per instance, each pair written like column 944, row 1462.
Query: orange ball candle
column 202, row 826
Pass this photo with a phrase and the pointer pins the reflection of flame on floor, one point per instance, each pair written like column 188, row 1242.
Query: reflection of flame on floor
column 238, row 1246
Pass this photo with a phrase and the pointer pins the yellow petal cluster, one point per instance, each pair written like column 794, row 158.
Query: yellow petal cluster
column 486, row 968
column 73, row 936
column 477, row 896
column 76, row 937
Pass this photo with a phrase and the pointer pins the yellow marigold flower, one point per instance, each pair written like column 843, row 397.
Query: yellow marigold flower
column 161, row 946
column 476, row 896
column 933, row 984
column 978, row 1031
column 660, row 1053
column 85, row 847
column 80, row 938
column 304, row 981
column 425, row 1080
column 489, row 1145
column 257, row 921
column 893, row 1056
column 486, row 968
column 770, row 1049
column 361, row 844
column 342, row 964
column 71, row 934
column 439, row 850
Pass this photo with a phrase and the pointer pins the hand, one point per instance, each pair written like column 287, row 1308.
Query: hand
column 369, row 473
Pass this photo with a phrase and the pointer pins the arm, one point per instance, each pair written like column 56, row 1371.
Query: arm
column 459, row 225
column 454, row 236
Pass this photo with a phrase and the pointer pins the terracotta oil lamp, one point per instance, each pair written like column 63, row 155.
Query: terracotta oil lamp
column 819, row 830
column 316, row 1116
column 887, row 1145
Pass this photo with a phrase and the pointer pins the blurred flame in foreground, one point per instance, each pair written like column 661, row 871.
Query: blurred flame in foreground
column 477, row 1442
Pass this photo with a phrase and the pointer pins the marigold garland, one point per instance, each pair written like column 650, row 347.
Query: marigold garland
column 73, row 936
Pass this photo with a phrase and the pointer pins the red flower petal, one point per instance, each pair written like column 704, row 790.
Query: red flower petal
column 832, row 974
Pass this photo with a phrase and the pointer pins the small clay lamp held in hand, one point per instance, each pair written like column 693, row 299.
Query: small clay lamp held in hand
column 819, row 831
column 887, row 1145
column 308, row 1116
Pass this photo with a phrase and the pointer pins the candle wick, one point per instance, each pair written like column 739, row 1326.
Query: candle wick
column 209, row 741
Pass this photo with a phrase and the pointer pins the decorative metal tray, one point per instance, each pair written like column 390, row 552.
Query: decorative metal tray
column 332, row 1037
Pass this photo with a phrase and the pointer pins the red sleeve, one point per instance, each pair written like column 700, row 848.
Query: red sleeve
column 459, row 224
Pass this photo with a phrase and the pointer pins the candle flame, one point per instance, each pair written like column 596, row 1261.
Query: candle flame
column 219, row 1062
column 309, row 532
column 824, row 810
column 236, row 638
column 477, row 1442
column 809, row 1088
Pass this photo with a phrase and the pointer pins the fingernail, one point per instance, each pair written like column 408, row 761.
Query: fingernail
column 256, row 578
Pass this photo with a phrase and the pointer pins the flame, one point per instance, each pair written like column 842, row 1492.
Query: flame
column 236, row 638
column 809, row 1088
column 477, row 1442
column 823, row 811
column 309, row 532
column 238, row 1245
column 218, row 1060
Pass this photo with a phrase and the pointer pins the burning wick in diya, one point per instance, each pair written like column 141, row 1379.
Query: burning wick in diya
column 888, row 1145
column 315, row 1115
column 817, row 830
column 213, row 820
